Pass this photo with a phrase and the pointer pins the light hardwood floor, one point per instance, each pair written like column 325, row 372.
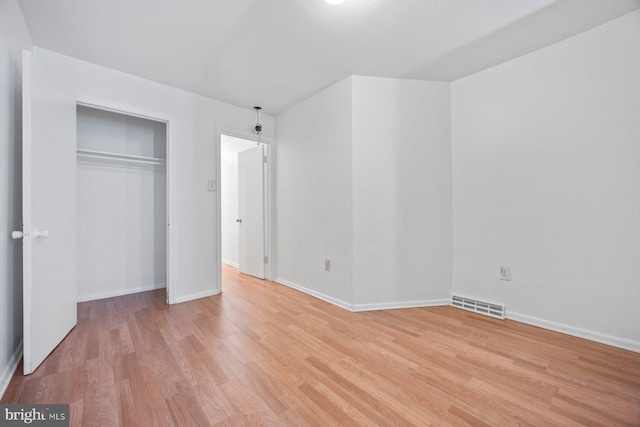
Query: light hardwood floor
column 264, row 354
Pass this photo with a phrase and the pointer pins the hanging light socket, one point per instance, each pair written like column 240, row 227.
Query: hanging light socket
column 258, row 127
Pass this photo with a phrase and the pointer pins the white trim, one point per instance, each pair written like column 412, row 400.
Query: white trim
column 197, row 295
column 218, row 242
column 10, row 369
column 232, row 264
column 122, row 292
column 269, row 222
column 403, row 304
column 265, row 219
column 27, row 226
column 365, row 307
column 323, row 297
column 243, row 135
column 101, row 104
column 172, row 283
column 623, row 343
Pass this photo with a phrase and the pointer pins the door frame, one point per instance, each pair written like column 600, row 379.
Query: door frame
column 127, row 110
column 269, row 219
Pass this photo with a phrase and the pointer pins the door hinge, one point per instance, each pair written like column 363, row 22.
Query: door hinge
column 264, row 159
column 265, row 259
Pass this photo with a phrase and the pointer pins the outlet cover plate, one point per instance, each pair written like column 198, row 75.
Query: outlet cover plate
column 505, row 273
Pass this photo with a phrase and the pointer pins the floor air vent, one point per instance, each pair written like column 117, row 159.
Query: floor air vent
column 493, row 310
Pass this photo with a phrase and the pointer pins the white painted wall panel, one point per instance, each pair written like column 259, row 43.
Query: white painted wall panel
column 105, row 131
column 401, row 191
column 364, row 171
column 546, row 180
column 120, row 249
column 313, row 193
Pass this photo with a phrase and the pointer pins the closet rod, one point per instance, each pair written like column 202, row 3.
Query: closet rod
column 91, row 154
column 98, row 158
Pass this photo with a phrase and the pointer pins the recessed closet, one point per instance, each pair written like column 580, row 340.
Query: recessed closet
column 121, row 202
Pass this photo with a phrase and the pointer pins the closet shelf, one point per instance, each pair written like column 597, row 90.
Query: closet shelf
column 101, row 158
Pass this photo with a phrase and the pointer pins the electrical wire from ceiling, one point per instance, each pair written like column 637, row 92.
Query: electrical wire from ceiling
column 258, row 127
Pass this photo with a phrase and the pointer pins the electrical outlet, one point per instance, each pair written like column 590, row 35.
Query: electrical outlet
column 327, row 264
column 505, row 273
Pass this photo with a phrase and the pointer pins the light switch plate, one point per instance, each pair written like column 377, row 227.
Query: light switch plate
column 211, row 185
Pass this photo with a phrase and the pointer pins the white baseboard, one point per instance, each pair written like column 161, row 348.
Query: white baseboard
column 319, row 295
column 10, row 369
column 232, row 264
column 576, row 332
column 365, row 307
column 197, row 295
column 121, row 292
column 403, row 304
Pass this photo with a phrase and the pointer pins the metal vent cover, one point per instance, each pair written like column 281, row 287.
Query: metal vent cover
column 486, row 308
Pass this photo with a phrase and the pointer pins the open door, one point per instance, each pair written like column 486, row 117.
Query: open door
column 251, row 212
column 49, row 212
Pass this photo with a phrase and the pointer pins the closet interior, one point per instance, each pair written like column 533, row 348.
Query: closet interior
column 121, row 202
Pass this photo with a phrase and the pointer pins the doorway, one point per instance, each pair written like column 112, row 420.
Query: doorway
column 244, row 213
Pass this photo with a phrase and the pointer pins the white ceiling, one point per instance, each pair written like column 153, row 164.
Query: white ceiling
column 275, row 53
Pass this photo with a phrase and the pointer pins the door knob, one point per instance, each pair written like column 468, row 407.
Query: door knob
column 37, row 233
column 238, row 220
column 17, row 235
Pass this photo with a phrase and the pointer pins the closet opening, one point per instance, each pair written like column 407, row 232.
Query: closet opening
column 122, row 203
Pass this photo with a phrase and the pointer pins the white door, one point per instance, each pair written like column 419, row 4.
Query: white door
column 48, row 212
column 251, row 211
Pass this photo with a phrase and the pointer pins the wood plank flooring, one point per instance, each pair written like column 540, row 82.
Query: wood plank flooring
column 264, row 354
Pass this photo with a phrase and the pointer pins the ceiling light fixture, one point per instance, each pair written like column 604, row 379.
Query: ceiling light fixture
column 334, row 1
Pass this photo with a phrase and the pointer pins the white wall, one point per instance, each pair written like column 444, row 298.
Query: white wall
column 121, row 210
column 401, row 192
column 193, row 121
column 546, row 180
column 363, row 178
column 229, row 149
column 106, row 131
column 313, row 194
column 14, row 37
